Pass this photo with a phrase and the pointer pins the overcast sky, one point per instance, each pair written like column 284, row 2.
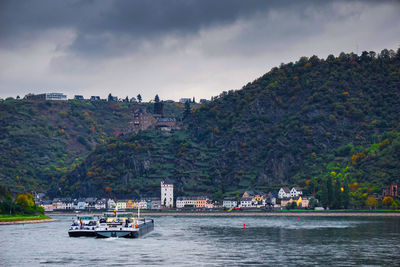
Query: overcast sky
column 176, row 48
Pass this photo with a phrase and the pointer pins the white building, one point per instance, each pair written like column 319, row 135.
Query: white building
column 246, row 202
column 167, row 194
column 100, row 204
column 121, row 204
column 185, row 100
column 111, row 204
column 81, row 205
column 295, row 192
column 284, row 192
column 180, row 202
column 229, row 202
column 55, row 96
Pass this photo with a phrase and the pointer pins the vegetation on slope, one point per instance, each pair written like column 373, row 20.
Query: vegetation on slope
column 285, row 128
column 42, row 140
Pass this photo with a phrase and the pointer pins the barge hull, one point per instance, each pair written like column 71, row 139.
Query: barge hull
column 81, row 233
column 134, row 233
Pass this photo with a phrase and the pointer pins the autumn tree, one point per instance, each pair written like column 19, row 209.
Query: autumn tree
column 108, row 190
column 25, row 202
column 371, row 202
column 387, row 201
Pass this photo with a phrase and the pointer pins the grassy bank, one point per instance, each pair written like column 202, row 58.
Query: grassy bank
column 17, row 217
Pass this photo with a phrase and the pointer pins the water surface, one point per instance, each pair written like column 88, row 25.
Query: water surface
column 194, row 241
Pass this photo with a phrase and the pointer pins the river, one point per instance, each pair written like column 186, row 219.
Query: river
column 210, row 241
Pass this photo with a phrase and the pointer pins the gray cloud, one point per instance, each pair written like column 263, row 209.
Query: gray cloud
column 176, row 48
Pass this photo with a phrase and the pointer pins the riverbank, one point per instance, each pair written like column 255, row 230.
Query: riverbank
column 24, row 219
column 249, row 214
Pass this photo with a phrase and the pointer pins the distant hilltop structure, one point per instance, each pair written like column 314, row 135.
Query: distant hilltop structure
column 46, row 96
column 142, row 121
column 167, row 194
column 185, row 100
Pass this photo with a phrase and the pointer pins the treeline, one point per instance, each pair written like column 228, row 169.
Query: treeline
column 23, row 204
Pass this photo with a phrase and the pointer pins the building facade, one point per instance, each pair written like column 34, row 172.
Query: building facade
column 167, row 194
column 229, row 202
column 295, row 192
column 284, row 192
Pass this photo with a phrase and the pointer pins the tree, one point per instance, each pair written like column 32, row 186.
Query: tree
column 336, row 203
column 371, row 202
column 110, row 97
column 345, row 194
column 394, row 206
column 126, row 99
column 194, row 100
column 329, row 192
column 25, row 202
column 187, row 110
column 387, row 201
column 157, row 99
column 139, row 98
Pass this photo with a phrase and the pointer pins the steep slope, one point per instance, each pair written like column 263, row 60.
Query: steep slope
column 42, row 140
column 283, row 128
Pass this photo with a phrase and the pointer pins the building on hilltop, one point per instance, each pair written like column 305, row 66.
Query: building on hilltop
column 95, row 98
column 79, row 97
column 167, row 194
column 46, row 96
column 142, row 121
column 185, row 100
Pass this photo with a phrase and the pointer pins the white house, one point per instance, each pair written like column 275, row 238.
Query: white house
column 295, row 192
column 180, row 202
column 81, row 204
column 100, row 204
column 111, row 204
column 121, row 204
column 167, row 194
column 229, row 202
column 246, row 202
column 284, row 192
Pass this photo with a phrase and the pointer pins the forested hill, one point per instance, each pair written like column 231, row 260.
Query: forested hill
column 289, row 127
column 40, row 141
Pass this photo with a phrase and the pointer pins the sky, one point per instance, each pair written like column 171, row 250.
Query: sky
column 176, row 48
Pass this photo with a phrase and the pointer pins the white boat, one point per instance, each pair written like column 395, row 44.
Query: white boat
column 83, row 226
column 123, row 225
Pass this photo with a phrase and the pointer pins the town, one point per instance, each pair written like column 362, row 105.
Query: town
column 285, row 198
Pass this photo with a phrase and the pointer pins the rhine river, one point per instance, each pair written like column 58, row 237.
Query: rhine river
column 210, row 241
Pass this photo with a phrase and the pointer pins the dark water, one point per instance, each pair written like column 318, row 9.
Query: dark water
column 193, row 241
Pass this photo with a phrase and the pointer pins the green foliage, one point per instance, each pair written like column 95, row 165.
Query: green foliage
column 295, row 125
column 23, row 204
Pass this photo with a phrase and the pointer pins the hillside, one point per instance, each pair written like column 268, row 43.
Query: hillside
column 42, row 140
column 285, row 128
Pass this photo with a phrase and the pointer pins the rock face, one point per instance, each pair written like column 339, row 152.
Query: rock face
column 283, row 128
